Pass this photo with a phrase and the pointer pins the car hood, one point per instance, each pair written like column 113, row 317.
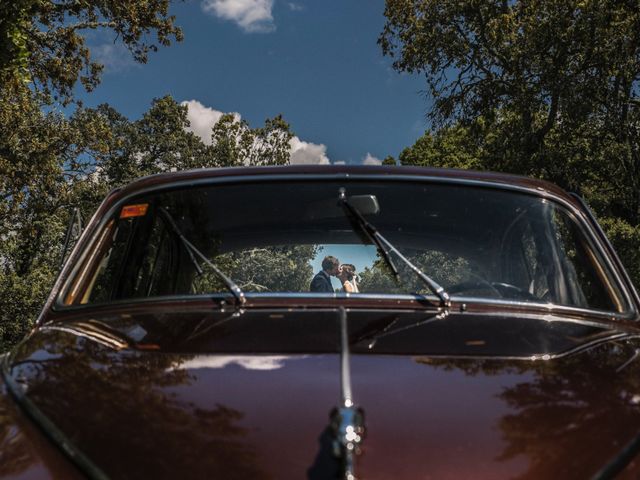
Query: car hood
column 151, row 411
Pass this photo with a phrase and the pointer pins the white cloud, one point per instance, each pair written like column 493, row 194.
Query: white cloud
column 294, row 7
column 371, row 160
column 202, row 119
column 266, row 362
column 252, row 16
column 307, row 153
column 114, row 57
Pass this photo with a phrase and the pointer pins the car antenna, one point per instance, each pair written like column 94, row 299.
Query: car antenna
column 347, row 421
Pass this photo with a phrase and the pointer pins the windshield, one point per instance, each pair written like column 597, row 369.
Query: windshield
column 294, row 237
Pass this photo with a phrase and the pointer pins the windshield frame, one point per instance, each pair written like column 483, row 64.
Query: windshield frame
column 86, row 248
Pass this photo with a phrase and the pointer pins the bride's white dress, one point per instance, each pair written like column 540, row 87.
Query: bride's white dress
column 353, row 284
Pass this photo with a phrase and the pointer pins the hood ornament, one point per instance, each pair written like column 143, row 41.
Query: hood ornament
column 347, row 421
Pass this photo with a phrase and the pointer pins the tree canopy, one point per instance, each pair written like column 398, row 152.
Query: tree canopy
column 50, row 164
column 44, row 41
column 542, row 88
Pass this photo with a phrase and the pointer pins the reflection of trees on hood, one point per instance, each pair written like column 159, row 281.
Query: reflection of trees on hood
column 15, row 456
column 119, row 410
column 572, row 413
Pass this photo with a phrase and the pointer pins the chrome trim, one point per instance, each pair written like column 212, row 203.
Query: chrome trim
column 607, row 243
column 636, row 354
column 345, row 370
column 88, row 237
column 100, row 338
column 533, row 358
column 548, row 309
column 347, row 421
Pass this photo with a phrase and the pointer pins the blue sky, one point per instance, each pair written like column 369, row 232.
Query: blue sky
column 316, row 63
column 360, row 256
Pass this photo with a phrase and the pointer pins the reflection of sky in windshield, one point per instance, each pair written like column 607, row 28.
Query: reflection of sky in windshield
column 359, row 255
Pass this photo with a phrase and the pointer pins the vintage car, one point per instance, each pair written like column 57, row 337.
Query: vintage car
column 493, row 334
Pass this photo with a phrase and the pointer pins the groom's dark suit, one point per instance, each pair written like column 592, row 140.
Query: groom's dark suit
column 321, row 283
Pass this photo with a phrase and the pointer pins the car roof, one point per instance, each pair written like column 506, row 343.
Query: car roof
column 497, row 179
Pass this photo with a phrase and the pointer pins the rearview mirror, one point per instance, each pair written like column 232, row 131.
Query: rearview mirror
column 365, row 204
column 329, row 208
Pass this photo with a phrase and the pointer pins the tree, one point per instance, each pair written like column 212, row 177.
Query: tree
column 50, row 163
column 46, row 160
column 556, row 412
column 545, row 61
column 42, row 41
column 542, row 88
column 267, row 269
column 14, row 22
column 235, row 144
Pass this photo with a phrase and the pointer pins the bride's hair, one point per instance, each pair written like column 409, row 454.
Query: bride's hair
column 349, row 270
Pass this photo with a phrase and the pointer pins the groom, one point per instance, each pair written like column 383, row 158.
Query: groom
column 322, row 281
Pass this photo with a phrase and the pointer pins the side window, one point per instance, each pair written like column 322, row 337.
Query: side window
column 154, row 275
column 590, row 286
column 103, row 285
column 546, row 256
column 523, row 263
column 137, row 268
column 538, row 268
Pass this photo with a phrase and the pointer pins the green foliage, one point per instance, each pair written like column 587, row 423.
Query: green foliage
column 445, row 269
column 544, row 88
column 450, row 147
column 50, row 164
column 269, row 269
column 14, row 24
column 626, row 239
column 235, row 144
column 43, row 41
column 542, row 59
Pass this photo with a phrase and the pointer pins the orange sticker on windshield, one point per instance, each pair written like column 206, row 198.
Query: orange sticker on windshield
column 130, row 211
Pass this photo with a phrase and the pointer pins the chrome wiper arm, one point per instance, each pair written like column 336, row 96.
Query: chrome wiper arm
column 385, row 246
column 368, row 229
column 193, row 251
column 386, row 330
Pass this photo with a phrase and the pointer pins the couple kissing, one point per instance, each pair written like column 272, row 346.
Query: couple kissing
column 331, row 266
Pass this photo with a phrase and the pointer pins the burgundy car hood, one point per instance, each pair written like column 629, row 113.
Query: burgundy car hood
column 172, row 413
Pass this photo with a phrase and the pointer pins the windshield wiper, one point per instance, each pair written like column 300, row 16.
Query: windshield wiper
column 386, row 248
column 385, row 330
column 193, row 251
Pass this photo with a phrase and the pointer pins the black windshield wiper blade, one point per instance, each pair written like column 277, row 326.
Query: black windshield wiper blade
column 385, row 247
column 193, row 251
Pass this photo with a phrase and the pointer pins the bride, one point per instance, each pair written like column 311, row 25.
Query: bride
column 347, row 277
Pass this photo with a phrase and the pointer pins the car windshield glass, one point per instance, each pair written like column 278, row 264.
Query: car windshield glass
column 275, row 237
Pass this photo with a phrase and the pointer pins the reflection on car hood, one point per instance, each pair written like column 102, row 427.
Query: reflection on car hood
column 194, row 410
column 294, row 331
